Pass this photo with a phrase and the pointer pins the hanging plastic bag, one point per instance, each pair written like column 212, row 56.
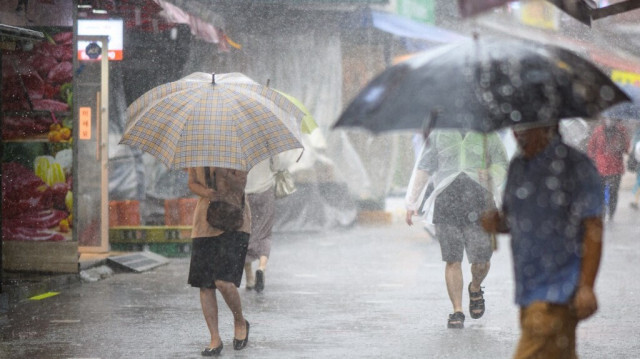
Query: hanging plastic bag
column 284, row 184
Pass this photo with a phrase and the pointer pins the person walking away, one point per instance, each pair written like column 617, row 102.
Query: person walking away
column 457, row 161
column 554, row 215
column 217, row 256
column 260, row 191
column 606, row 147
column 635, row 151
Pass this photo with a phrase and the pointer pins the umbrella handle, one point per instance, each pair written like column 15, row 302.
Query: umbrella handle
column 487, row 164
column 428, row 124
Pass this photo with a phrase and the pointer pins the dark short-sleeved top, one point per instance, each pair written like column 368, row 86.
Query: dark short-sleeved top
column 546, row 199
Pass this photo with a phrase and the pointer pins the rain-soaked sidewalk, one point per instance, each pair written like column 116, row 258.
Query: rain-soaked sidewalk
column 364, row 292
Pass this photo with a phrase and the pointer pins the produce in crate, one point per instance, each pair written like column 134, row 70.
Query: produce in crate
column 33, row 210
column 37, row 80
column 49, row 170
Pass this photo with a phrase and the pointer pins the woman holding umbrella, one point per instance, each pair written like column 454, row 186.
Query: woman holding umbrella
column 218, row 127
column 217, row 257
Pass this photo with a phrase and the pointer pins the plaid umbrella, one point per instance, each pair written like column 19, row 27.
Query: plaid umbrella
column 204, row 120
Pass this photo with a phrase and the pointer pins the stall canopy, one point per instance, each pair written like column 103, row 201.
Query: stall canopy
column 404, row 27
column 582, row 10
column 10, row 33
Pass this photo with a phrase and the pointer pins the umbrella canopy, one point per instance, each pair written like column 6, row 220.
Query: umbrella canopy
column 308, row 123
column 484, row 85
column 230, row 122
column 626, row 110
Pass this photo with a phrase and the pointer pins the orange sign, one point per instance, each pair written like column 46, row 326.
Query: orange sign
column 85, row 123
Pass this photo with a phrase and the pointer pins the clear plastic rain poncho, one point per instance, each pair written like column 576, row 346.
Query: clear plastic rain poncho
column 446, row 154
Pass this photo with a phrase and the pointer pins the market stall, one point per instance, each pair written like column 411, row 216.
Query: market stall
column 35, row 125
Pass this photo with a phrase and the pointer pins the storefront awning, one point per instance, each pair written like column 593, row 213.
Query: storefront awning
column 18, row 33
column 404, row 27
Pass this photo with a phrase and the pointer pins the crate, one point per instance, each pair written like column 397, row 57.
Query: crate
column 124, row 213
column 170, row 241
column 172, row 250
column 40, row 256
column 150, row 234
column 179, row 211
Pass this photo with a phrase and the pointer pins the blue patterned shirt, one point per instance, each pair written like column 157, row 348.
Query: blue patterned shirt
column 546, row 199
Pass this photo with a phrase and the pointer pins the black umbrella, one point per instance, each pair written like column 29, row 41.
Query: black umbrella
column 626, row 110
column 484, row 85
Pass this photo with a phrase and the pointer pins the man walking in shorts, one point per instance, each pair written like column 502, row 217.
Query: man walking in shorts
column 460, row 163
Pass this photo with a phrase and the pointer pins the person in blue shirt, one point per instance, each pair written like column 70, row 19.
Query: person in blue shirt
column 553, row 208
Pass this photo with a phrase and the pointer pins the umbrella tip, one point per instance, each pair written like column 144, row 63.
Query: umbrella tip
column 213, row 78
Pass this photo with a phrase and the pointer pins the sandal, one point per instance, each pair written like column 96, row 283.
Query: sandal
column 456, row 321
column 476, row 303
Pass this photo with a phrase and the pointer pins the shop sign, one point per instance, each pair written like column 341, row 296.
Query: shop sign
column 539, row 14
column 112, row 28
column 93, row 51
column 625, row 78
column 419, row 10
column 85, row 123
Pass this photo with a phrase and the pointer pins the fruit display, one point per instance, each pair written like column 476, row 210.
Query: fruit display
column 36, row 102
column 37, row 84
column 57, row 133
column 35, row 206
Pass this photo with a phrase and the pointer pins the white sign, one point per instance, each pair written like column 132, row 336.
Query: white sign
column 113, row 28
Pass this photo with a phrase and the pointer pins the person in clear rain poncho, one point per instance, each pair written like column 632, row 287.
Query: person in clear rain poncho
column 466, row 168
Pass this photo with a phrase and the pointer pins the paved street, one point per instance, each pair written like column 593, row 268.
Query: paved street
column 364, row 292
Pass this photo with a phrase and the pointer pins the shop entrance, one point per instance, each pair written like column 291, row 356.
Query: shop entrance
column 91, row 171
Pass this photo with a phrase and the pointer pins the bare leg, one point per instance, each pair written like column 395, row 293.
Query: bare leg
column 209, row 304
column 478, row 274
column 232, row 298
column 248, row 274
column 263, row 263
column 453, row 278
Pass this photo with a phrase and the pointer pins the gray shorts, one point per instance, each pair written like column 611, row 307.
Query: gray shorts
column 454, row 239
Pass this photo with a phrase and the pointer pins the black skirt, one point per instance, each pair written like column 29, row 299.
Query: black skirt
column 218, row 258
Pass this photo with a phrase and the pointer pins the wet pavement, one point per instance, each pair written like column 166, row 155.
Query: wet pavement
column 363, row 292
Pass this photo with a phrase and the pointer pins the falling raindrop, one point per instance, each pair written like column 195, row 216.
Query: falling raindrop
column 516, row 116
column 522, row 193
column 559, row 198
column 506, row 107
column 557, row 166
column 507, row 90
column 552, row 183
column 606, row 93
column 526, row 225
